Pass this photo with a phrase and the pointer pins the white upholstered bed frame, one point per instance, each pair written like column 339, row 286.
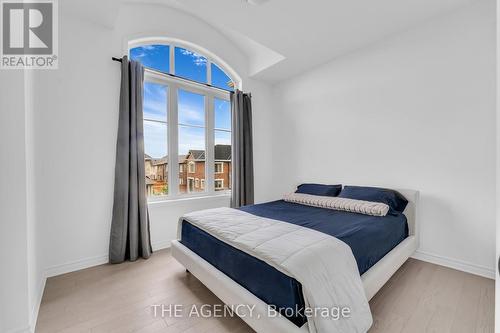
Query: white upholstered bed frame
column 232, row 293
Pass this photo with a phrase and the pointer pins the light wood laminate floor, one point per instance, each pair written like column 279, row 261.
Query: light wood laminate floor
column 420, row 297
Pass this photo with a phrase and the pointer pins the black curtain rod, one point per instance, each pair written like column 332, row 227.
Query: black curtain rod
column 182, row 78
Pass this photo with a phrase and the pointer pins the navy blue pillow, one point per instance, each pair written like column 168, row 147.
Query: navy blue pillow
column 319, row 189
column 393, row 199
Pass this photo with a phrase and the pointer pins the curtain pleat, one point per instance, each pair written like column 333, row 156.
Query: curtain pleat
column 242, row 192
column 130, row 235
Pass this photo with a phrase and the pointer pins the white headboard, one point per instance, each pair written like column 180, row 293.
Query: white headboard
column 411, row 210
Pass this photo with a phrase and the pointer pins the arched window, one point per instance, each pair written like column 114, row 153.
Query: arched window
column 187, row 118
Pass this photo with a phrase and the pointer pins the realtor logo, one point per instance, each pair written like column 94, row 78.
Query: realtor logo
column 29, row 34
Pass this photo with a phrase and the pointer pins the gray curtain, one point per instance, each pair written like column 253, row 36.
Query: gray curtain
column 130, row 236
column 242, row 154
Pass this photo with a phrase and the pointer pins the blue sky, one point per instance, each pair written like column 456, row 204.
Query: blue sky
column 152, row 56
column 188, row 64
column 191, row 106
column 155, row 107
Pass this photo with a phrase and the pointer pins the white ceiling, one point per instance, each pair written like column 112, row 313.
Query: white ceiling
column 311, row 32
column 286, row 37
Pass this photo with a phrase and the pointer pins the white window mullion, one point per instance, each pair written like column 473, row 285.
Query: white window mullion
column 172, row 59
column 198, row 88
column 173, row 146
column 210, row 139
column 209, row 71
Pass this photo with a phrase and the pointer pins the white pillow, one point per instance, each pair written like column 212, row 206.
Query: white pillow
column 336, row 203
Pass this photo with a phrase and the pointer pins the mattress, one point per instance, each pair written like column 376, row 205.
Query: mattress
column 369, row 237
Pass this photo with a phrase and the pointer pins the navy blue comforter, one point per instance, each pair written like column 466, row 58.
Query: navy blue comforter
column 369, row 237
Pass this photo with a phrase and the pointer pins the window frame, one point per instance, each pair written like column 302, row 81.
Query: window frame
column 173, row 84
column 173, row 43
column 188, row 191
column 221, row 167
column 222, row 183
column 189, row 165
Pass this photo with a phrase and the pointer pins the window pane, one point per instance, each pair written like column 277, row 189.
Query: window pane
column 222, row 166
column 220, row 79
column 155, row 157
column 222, row 113
column 222, row 138
column 191, row 158
column 152, row 56
column 219, row 184
column 191, row 108
column 190, row 65
column 155, row 101
column 191, row 113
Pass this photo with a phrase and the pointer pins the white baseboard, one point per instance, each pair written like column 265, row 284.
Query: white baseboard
column 67, row 268
column 161, row 245
column 26, row 329
column 76, row 265
column 420, row 255
column 36, row 305
column 92, row 261
column 460, row 265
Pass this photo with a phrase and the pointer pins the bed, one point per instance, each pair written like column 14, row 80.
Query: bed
column 251, row 282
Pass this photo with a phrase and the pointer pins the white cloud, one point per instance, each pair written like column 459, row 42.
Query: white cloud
column 155, row 139
column 190, row 115
column 222, row 138
column 191, row 138
column 140, row 55
column 155, row 97
column 198, row 59
column 155, row 108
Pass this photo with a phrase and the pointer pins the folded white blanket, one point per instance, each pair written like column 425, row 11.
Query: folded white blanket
column 345, row 204
column 324, row 265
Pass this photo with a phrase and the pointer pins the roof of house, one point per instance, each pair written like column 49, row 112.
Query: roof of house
column 198, row 155
column 222, row 153
column 160, row 161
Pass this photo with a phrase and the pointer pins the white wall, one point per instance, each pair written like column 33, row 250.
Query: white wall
column 497, row 275
column 75, row 131
column 36, row 280
column 20, row 275
column 414, row 111
column 13, row 227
